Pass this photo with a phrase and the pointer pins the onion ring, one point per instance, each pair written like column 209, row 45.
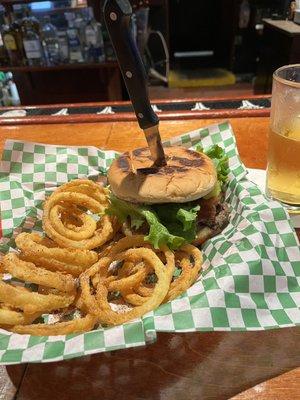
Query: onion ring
column 189, row 274
column 73, row 261
column 86, row 186
column 11, row 317
column 129, row 281
column 98, row 304
column 28, row 272
column 84, row 231
column 80, row 193
column 78, row 325
column 32, row 302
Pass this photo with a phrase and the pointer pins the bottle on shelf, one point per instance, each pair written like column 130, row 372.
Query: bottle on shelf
column 31, row 19
column 32, row 43
column 12, row 39
column 75, row 49
column 93, row 39
column 4, row 59
column 63, row 46
column 12, row 90
column 50, row 42
column 4, row 96
column 79, row 24
column 9, row 95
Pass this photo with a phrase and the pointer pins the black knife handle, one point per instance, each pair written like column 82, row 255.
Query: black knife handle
column 117, row 15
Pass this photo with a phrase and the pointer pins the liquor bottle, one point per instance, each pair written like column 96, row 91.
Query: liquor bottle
column 63, row 46
column 31, row 19
column 75, row 49
column 12, row 90
column 12, row 39
column 94, row 39
column 79, row 24
column 50, row 42
column 4, row 59
column 4, row 97
column 32, row 43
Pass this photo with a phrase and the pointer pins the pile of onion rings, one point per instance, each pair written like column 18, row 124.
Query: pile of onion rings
column 86, row 268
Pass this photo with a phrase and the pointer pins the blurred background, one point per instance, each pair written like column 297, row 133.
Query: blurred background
column 59, row 51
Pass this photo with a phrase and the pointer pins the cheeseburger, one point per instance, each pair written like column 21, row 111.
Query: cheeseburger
column 181, row 202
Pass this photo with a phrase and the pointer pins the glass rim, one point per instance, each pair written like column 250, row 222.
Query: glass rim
column 278, row 78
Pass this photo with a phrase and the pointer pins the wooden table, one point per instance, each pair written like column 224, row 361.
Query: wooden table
column 192, row 366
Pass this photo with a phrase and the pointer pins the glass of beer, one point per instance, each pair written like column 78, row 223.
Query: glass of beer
column 283, row 172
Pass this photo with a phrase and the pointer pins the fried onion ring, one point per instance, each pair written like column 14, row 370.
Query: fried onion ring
column 80, row 194
column 190, row 271
column 32, row 302
column 85, row 186
column 84, row 231
column 98, row 304
column 11, row 317
column 28, row 272
column 78, row 325
column 72, row 261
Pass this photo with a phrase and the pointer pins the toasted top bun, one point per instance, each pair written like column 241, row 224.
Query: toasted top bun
column 187, row 176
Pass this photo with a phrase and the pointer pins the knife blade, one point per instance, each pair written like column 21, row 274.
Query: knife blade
column 117, row 14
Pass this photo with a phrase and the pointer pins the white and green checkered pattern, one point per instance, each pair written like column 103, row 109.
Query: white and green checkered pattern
column 251, row 273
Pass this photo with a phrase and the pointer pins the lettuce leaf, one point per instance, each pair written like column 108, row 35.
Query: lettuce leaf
column 169, row 224
column 179, row 219
column 159, row 235
column 187, row 217
column 220, row 160
column 122, row 210
column 185, row 213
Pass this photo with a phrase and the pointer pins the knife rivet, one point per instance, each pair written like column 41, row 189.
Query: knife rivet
column 128, row 74
column 113, row 16
column 140, row 115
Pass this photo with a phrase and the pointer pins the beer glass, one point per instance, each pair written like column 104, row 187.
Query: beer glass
column 283, row 172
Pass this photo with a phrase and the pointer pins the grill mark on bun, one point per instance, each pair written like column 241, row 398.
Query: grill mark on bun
column 187, row 162
column 165, row 170
column 138, row 152
column 184, row 163
column 123, row 163
column 171, row 169
column 192, row 153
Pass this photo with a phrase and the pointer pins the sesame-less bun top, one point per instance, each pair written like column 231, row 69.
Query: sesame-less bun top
column 188, row 175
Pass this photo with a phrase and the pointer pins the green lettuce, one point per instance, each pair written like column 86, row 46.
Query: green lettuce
column 220, row 160
column 169, row 224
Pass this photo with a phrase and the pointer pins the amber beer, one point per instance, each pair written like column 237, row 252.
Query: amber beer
column 283, row 173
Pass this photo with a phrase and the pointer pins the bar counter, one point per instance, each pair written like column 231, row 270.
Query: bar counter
column 193, row 366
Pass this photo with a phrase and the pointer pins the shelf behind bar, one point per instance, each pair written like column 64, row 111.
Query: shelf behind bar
column 42, row 13
column 10, row 2
column 61, row 67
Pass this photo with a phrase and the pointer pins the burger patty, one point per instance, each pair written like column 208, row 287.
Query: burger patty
column 213, row 213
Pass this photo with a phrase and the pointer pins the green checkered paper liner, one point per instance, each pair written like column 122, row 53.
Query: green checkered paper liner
column 251, row 273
